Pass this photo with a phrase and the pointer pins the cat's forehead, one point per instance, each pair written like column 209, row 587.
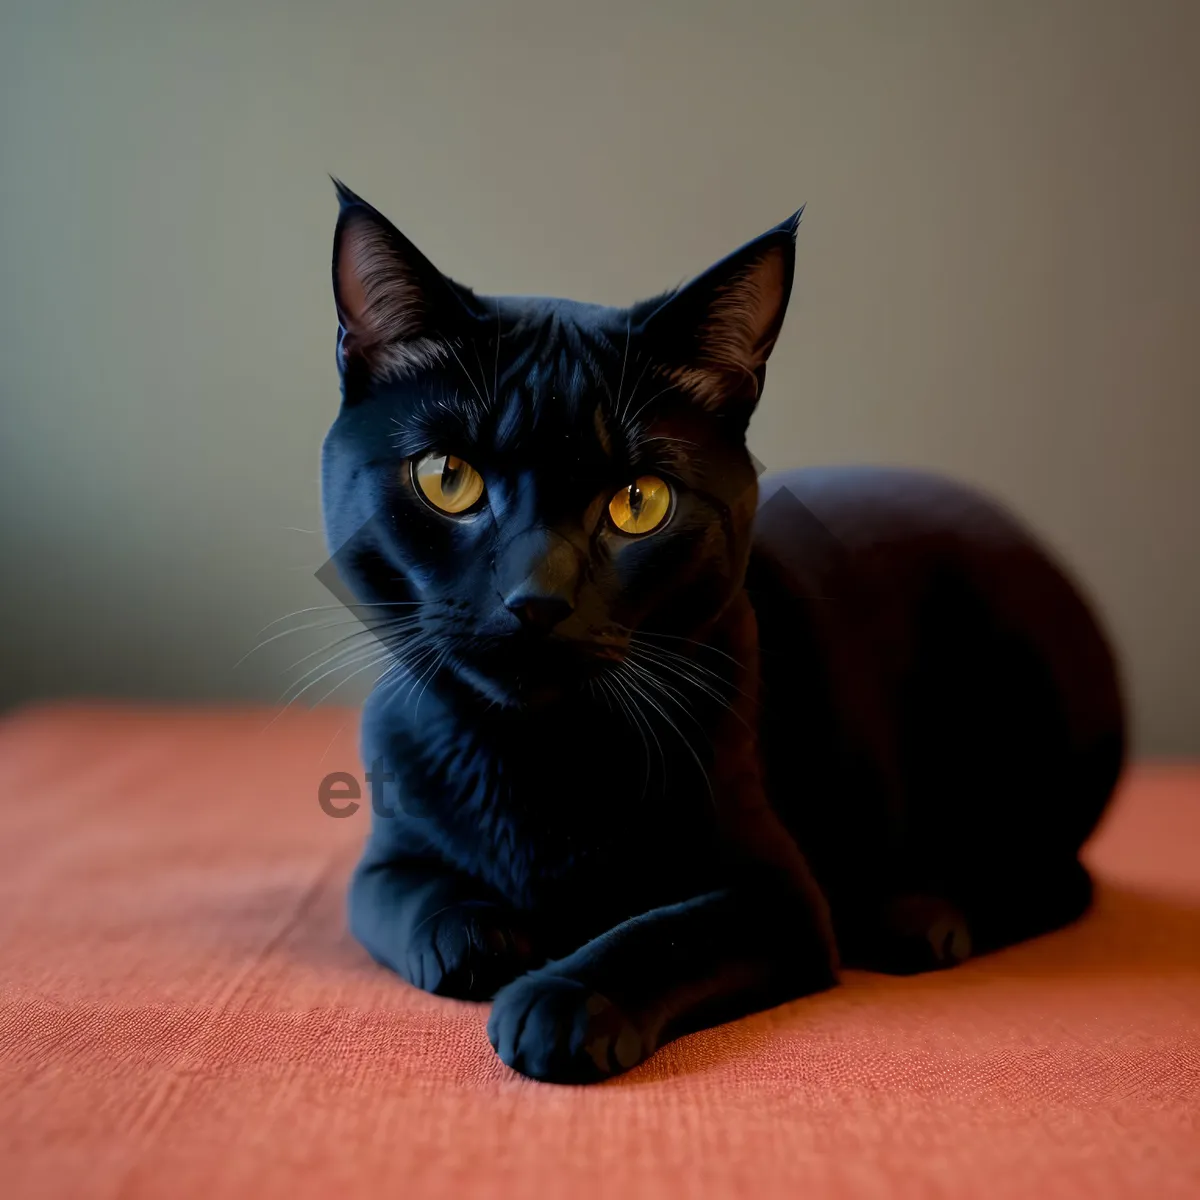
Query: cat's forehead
column 556, row 373
column 517, row 312
column 542, row 342
column 545, row 383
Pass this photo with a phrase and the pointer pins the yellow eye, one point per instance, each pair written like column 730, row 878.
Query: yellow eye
column 448, row 483
column 642, row 506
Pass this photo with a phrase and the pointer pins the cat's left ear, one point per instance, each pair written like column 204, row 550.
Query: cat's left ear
column 397, row 312
column 713, row 336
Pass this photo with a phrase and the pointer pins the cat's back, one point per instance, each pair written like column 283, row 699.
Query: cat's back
column 904, row 550
column 874, row 514
column 891, row 538
column 895, row 604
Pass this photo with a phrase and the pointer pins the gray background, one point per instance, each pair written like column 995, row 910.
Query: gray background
column 999, row 276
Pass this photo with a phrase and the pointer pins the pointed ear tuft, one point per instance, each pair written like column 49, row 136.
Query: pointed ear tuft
column 714, row 335
column 346, row 198
column 397, row 311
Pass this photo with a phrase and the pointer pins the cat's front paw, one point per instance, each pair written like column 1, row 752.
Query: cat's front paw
column 556, row 1029
column 467, row 950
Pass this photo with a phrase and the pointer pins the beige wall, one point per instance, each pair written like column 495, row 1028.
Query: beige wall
column 999, row 275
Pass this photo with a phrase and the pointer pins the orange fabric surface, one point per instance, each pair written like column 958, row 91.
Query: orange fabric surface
column 183, row 1014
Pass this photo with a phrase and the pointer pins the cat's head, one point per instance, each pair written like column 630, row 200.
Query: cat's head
column 523, row 485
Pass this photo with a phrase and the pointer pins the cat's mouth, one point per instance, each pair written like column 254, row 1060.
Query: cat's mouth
column 529, row 673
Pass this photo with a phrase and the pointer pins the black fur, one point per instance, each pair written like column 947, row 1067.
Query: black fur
column 630, row 786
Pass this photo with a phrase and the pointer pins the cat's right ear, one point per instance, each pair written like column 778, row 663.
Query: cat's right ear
column 397, row 313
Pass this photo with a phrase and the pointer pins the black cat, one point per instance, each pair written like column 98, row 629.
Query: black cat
column 657, row 747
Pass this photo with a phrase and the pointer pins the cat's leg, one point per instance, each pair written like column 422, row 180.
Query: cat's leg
column 1027, row 900
column 926, row 931
column 439, row 930
column 610, row 1004
column 908, row 933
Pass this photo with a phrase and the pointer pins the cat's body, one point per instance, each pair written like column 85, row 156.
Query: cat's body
column 941, row 713
column 637, row 778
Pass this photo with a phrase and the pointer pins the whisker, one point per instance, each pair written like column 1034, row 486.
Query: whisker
column 637, row 721
column 397, row 673
column 300, row 612
column 336, row 662
column 622, row 416
column 684, row 667
column 470, row 377
column 671, row 693
column 700, row 684
column 665, row 654
column 437, row 666
column 372, row 631
column 679, row 732
column 346, row 679
column 325, row 674
column 425, row 655
column 323, row 624
column 661, row 392
column 489, row 402
column 643, row 633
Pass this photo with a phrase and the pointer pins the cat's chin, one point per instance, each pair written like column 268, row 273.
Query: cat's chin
column 513, row 694
column 523, row 689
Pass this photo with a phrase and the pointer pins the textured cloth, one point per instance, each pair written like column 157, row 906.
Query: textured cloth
column 182, row 1013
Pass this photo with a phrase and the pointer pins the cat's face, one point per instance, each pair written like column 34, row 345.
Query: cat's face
column 531, row 489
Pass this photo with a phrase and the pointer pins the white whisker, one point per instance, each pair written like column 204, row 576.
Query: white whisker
column 679, row 732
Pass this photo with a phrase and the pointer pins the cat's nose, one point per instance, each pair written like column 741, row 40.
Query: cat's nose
column 538, row 575
column 538, row 612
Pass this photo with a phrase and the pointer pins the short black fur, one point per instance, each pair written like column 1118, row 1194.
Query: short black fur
column 630, row 785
